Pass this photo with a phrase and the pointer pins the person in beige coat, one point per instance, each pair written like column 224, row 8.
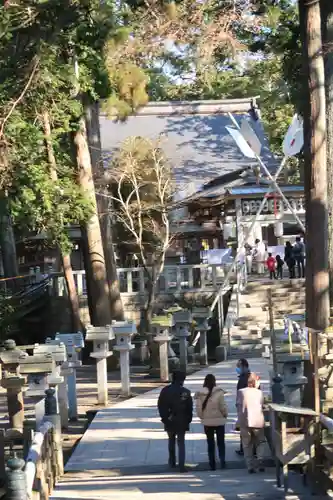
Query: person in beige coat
column 251, row 421
column 213, row 412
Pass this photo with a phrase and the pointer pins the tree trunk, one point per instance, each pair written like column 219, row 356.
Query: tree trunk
column 7, row 240
column 97, row 285
column 104, row 206
column 317, row 280
column 148, row 309
column 72, row 292
column 145, row 326
column 327, row 26
column 65, row 257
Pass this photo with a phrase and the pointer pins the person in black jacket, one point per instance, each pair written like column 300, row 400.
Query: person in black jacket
column 289, row 259
column 175, row 406
column 243, row 371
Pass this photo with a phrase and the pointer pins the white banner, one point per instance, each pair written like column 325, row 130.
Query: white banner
column 241, row 143
column 250, row 136
column 294, row 138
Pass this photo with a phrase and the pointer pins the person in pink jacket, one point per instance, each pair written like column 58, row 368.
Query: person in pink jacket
column 251, row 422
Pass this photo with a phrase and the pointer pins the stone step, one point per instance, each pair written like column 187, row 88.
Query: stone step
column 246, row 341
column 245, row 351
column 275, row 288
column 237, row 354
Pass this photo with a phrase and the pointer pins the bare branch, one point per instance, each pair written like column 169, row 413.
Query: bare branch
column 20, row 97
column 142, row 179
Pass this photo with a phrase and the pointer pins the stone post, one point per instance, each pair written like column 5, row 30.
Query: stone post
column 163, row 339
column 161, row 326
column 52, row 415
column 183, row 320
column 74, row 343
column 201, row 316
column 100, row 336
column 291, row 368
column 13, row 382
column 277, row 390
column 16, row 485
column 123, row 332
column 56, row 379
column 15, row 404
column 37, row 367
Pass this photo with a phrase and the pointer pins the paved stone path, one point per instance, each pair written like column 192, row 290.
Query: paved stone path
column 124, row 453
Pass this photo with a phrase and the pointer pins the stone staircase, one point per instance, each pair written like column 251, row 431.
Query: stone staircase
column 245, row 335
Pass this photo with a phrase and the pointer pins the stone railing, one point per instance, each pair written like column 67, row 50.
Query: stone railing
column 174, row 279
column 36, row 475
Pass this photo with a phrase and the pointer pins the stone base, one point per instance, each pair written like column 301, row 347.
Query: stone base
column 191, row 353
column 173, row 364
column 113, row 362
column 221, row 353
column 154, row 371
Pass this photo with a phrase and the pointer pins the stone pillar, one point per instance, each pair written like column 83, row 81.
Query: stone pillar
column 201, row 316
column 15, row 404
column 74, row 343
column 277, row 390
column 163, row 339
column 100, row 336
column 203, row 347
column 16, row 485
column 161, row 326
column 52, row 415
column 13, row 382
column 291, row 368
column 183, row 320
column 63, row 395
column 56, row 378
column 102, row 380
column 123, row 332
column 72, row 396
column 37, row 367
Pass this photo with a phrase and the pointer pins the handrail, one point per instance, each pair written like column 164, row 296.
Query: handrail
column 174, row 279
column 326, row 422
column 34, row 454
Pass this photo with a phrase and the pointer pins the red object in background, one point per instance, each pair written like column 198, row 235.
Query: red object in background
column 275, row 197
column 270, row 262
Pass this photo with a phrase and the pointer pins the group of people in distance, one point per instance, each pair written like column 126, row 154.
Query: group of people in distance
column 294, row 255
column 175, row 405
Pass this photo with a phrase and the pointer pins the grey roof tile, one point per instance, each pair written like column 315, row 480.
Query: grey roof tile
column 196, row 141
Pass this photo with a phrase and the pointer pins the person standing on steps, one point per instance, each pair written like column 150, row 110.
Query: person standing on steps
column 289, row 259
column 299, row 256
column 259, row 256
column 213, row 412
column 251, row 421
column 270, row 263
column 175, row 406
column 279, row 267
column 243, row 371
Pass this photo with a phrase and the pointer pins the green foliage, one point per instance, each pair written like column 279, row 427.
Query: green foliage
column 38, row 76
column 6, row 317
column 270, row 68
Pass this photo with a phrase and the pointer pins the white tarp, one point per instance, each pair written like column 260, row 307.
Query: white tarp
column 218, row 256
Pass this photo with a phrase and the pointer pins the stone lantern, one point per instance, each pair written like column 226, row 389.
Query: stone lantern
column 124, row 332
column 101, row 336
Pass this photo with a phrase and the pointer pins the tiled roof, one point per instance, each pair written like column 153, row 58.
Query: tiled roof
column 196, row 141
